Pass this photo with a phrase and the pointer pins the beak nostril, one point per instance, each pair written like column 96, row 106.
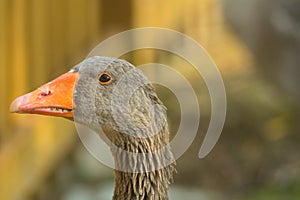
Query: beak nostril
column 45, row 93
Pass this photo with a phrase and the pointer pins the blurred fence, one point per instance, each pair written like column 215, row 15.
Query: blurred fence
column 38, row 41
column 41, row 39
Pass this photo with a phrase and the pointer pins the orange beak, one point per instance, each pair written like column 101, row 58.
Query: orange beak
column 54, row 98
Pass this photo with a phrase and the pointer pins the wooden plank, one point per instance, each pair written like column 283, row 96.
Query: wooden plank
column 58, row 38
column 40, row 33
column 76, row 29
column 93, row 22
column 4, row 72
column 18, row 58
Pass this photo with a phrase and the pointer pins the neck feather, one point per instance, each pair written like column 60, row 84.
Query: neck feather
column 144, row 167
column 141, row 186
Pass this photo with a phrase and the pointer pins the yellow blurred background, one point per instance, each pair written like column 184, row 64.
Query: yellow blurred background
column 257, row 156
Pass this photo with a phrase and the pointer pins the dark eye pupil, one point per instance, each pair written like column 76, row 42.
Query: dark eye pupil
column 104, row 78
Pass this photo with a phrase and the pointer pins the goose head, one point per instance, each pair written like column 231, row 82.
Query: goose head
column 99, row 92
column 111, row 95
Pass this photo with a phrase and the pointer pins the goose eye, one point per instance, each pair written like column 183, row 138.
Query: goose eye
column 104, row 78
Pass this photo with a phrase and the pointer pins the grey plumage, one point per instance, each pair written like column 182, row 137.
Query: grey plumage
column 134, row 123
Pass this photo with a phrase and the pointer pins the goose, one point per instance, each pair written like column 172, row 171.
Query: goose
column 116, row 100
